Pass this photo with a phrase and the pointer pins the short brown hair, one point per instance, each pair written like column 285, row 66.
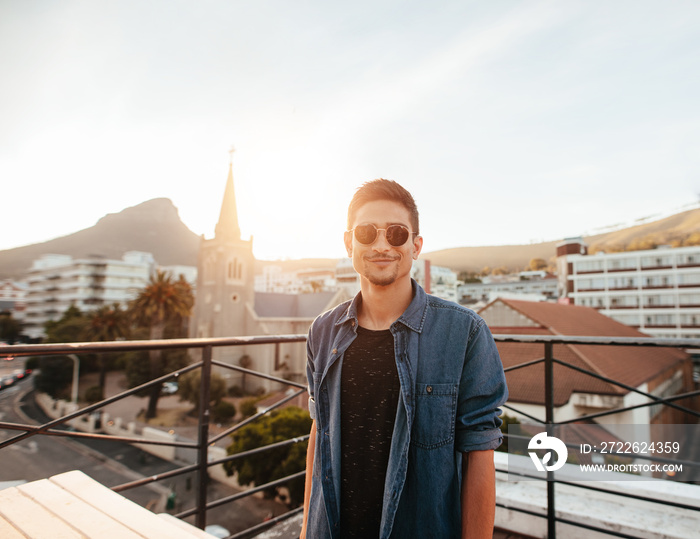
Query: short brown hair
column 382, row 189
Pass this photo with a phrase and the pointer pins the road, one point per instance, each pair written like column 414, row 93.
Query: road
column 111, row 463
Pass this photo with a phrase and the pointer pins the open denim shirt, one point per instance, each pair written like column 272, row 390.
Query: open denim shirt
column 452, row 383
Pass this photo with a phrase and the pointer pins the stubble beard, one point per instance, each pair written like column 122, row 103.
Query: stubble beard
column 381, row 279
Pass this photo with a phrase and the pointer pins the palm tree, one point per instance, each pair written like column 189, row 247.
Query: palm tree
column 246, row 362
column 108, row 323
column 162, row 300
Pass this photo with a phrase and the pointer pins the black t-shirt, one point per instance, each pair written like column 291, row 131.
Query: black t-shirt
column 369, row 397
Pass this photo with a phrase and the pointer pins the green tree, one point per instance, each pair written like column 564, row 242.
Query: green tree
column 189, row 388
column 277, row 463
column 10, row 328
column 469, row 277
column 537, row 264
column 56, row 372
column 507, row 420
column 69, row 328
column 162, row 300
column 107, row 323
column 55, row 376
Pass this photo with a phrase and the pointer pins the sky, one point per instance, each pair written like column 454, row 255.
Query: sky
column 511, row 122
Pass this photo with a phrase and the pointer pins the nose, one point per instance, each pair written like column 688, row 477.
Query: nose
column 381, row 243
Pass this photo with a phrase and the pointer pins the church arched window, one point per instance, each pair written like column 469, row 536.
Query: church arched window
column 234, row 270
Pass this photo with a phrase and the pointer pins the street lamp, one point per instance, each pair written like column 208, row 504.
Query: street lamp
column 74, row 387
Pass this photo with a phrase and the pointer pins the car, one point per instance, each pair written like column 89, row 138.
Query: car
column 7, row 381
column 169, row 388
column 217, row 531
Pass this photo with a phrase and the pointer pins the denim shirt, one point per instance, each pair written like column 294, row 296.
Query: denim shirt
column 452, row 383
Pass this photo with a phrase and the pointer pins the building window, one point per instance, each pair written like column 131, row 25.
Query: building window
column 235, row 270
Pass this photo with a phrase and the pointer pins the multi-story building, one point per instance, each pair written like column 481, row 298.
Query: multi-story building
column 12, row 298
column 656, row 291
column 526, row 285
column 55, row 282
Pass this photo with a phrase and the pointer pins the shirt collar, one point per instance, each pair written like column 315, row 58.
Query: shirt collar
column 413, row 317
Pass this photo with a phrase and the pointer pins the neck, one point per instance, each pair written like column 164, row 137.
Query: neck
column 382, row 305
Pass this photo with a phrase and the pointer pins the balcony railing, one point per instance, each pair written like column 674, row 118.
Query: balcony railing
column 204, row 440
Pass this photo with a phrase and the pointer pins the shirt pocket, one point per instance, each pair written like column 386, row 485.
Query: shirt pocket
column 434, row 424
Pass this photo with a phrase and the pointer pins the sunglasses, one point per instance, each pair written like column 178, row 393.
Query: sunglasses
column 396, row 235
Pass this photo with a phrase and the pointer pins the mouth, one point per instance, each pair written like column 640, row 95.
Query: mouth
column 381, row 261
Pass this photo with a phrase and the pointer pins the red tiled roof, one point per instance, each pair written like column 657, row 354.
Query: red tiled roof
column 631, row 365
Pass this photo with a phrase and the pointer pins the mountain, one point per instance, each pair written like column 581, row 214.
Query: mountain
column 670, row 230
column 153, row 226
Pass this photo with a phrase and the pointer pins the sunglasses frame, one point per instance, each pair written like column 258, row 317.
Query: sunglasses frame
column 377, row 230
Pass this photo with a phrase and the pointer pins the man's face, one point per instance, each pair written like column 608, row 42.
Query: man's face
column 380, row 263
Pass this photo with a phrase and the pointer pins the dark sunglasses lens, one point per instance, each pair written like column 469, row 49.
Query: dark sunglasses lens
column 365, row 234
column 396, row 235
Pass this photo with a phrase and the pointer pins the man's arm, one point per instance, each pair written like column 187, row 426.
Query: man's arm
column 478, row 495
column 309, row 475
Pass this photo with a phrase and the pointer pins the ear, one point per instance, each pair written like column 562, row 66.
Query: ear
column 347, row 238
column 417, row 246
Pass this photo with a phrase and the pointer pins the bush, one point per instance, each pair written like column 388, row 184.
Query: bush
column 94, row 394
column 235, row 391
column 190, row 384
column 32, row 363
column 276, row 463
column 55, row 376
column 223, row 411
column 249, row 407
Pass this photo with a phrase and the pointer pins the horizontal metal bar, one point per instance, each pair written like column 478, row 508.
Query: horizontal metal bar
column 255, row 530
column 597, row 340
column 658, row 400
column 259, row 374
column 664, row 401
column 122, row 346
column 595, row 528
column 254, row 417
column 153, row 478
column 522, row 365
column 244, row 494
column 258, row 450
column 94, row 436
column 18, row 350
column 588, row 487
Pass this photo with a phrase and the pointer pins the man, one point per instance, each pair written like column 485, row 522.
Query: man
column 404, row 392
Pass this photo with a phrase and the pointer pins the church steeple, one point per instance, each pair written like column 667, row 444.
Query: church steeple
column 227, row 228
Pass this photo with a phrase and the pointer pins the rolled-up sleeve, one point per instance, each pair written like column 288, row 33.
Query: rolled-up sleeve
column 482, row 390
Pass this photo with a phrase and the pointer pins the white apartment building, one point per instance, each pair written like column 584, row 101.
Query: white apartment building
column 656, row 291
column 12, row 298
column 55, row 282
column 436, row 280
column 274, row 280
column 526, row 285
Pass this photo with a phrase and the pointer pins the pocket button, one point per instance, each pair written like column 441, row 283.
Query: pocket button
column 429, row 389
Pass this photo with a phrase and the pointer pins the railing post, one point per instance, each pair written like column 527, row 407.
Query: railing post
column 549, row 420
column 203, row 440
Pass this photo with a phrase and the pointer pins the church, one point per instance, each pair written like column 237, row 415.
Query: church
column 227, row 305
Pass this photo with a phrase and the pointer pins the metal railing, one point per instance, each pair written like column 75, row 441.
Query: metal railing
column 548, row 341
column 204, row 440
